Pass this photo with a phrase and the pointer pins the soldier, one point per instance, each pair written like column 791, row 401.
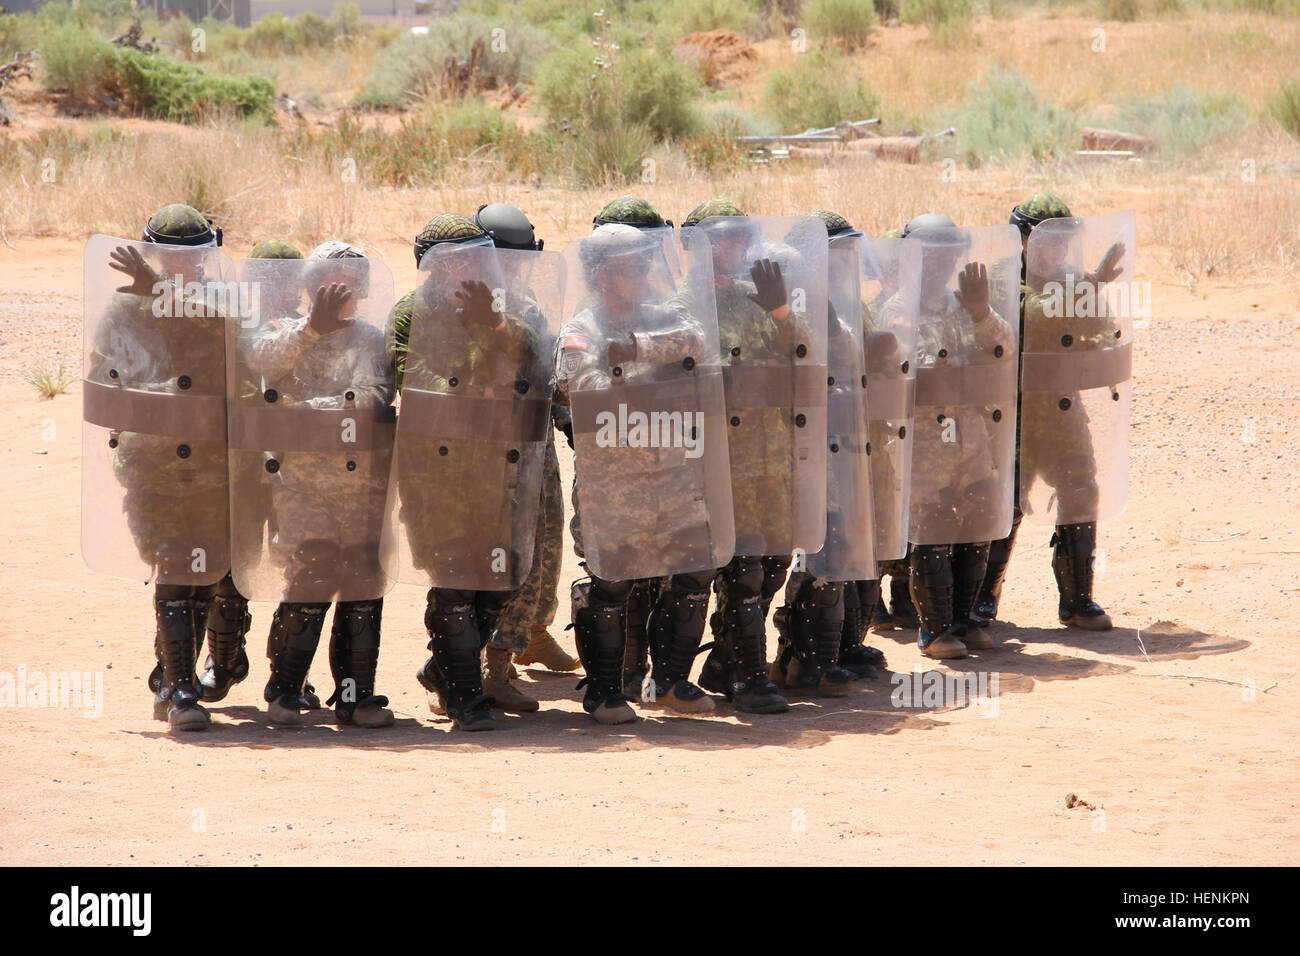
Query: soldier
column 820, row 622
column 637, row 212
column 477, row 380
column 960, row 487
column 649, row 502
column 155, row 426
column 1054, row 443
column 521, row 630
column 312, row 445
column 776, row 491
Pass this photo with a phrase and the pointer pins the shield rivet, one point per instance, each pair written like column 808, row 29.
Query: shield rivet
column 905, row 366
column 997, row 351
column 182, row 451
column 801, row 350
column 512, row 456
column 112, row 373
column 997, row 414
column 801, row 420
column 688, row 363
column 834, row 448
column 868, row 448
column 830, row 380
column 735, row 420
column 271, row 395
column 1064, row 404
column 618, row 370
column 349, row 395
column 521, row 387
column 1067, row 340
column 943, row 353
column 902, row 431
column 1118, row 333
column 352, row 466
column 112, row 443
column 442, row 449
column 940, row 418
column 272, row 465
column 184, row 382
column 453, row 381
column 735, row 352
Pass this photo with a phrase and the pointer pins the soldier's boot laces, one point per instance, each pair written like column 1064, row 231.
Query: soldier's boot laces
column 496, row 681
column 598, row 631
column 931, row 575
column 456, row 647
column 816, row 628
column 227, row 623
column 990, row 596
column 636, row 652
column 1074, row 546
column 861, row 598
column 354, row 658
column 903, row 614
column 296, row 632
column 969, row 562
column 676, row 628
column 545, row 650
column 174, row 644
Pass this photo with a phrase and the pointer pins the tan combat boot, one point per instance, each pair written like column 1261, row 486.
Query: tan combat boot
column 545, row 650
column 496, row 681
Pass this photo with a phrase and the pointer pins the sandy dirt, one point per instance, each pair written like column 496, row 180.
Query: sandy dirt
column 1181, row 744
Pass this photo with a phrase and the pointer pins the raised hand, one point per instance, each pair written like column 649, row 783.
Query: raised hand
column 973, row 290
column 1109, row 270
column 474, row 300
column 769, row 286
column 327, row 308
column 127, row 259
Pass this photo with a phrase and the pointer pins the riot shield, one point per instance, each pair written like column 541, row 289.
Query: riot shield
column 154, row 500
column 638, row 359
column 311, row 430
column 963, row 459
column 890, row 294
column 475, row 414
column 849, row 552
column 770, row 284
column 1079, row 306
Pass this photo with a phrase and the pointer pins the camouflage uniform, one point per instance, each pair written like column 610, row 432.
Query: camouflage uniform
column 1074, row 468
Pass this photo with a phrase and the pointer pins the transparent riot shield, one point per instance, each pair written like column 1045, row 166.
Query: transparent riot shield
column 154, row 499
column 770, row 293
column 474, row 417
column 1080, row 301
column 890, row 294
column 849, row 553
column 638, row 360
column 963, row 459
column 310, row 391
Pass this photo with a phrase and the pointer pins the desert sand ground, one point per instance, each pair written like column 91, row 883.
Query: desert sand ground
column 1180, row 745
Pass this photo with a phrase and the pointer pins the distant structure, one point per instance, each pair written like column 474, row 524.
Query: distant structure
column 236, row 11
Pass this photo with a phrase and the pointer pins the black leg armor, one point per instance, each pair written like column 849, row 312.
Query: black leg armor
column 295, row 632
column 931, row 586
column 456, row 642
column 354, row 656
column 599, row 624
column 227, row 623
column 986, row 606
column 969, row 562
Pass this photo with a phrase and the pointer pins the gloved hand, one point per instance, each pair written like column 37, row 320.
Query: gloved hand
column 973, row 290
column 327, row 307
column 1109, row 270
column 475, row 303
column 769, row 294
column 127, row 259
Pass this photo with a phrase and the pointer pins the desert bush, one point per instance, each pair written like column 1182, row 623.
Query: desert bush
column 846, row 22
column 412, row 66
column 1124, row 11
column 168, row 89
column 76, row 61
column 681, row 17
column 1285, row 107
column 1183, row 120
column 715, row 149
column 937, row 14
column 822, row 89
column 1004, row 116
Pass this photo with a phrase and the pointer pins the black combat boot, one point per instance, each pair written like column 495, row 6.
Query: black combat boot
column 174, row 644
column 676, row 628
column 227, row 622
column 969, row 562
column 931, row 579
column 902, row 612
column 456, row 642
column 1074, row 546
column 295, row 632
column 599, row 633
column 861, row 598
column 809, row 659
column 354, row 657
column 990, row 596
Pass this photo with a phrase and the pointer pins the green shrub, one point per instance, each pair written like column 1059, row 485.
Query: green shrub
column 1182, row 121
column 1285, row 107
column 821, row 89
column 610, row 155
column 16, row 33
column 171, row 90
column 76, row 61
column 1124, row 11
column 715, row 149
column 1004, row 116
column 937, row 14
column 682, row 17
column 846, row 22
column 412, row 66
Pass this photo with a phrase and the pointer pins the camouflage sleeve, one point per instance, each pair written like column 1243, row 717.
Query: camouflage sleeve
column 399, row 335
column 993, row 331
column 370, row 376
column 273, row 353
column 579, row 360
column 516, row 338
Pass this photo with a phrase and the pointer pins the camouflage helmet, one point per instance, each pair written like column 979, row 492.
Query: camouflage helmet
column 180, row 225
column 630, row 211
column 448, row 227
column 508, row 226
column 837, row 227
column 710, row 208
column 1035, row 209
column 325, row 266
column 336, row 249
column 275, row 249
column 721, row 210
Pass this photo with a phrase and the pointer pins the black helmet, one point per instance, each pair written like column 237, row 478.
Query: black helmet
column 508, row 226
